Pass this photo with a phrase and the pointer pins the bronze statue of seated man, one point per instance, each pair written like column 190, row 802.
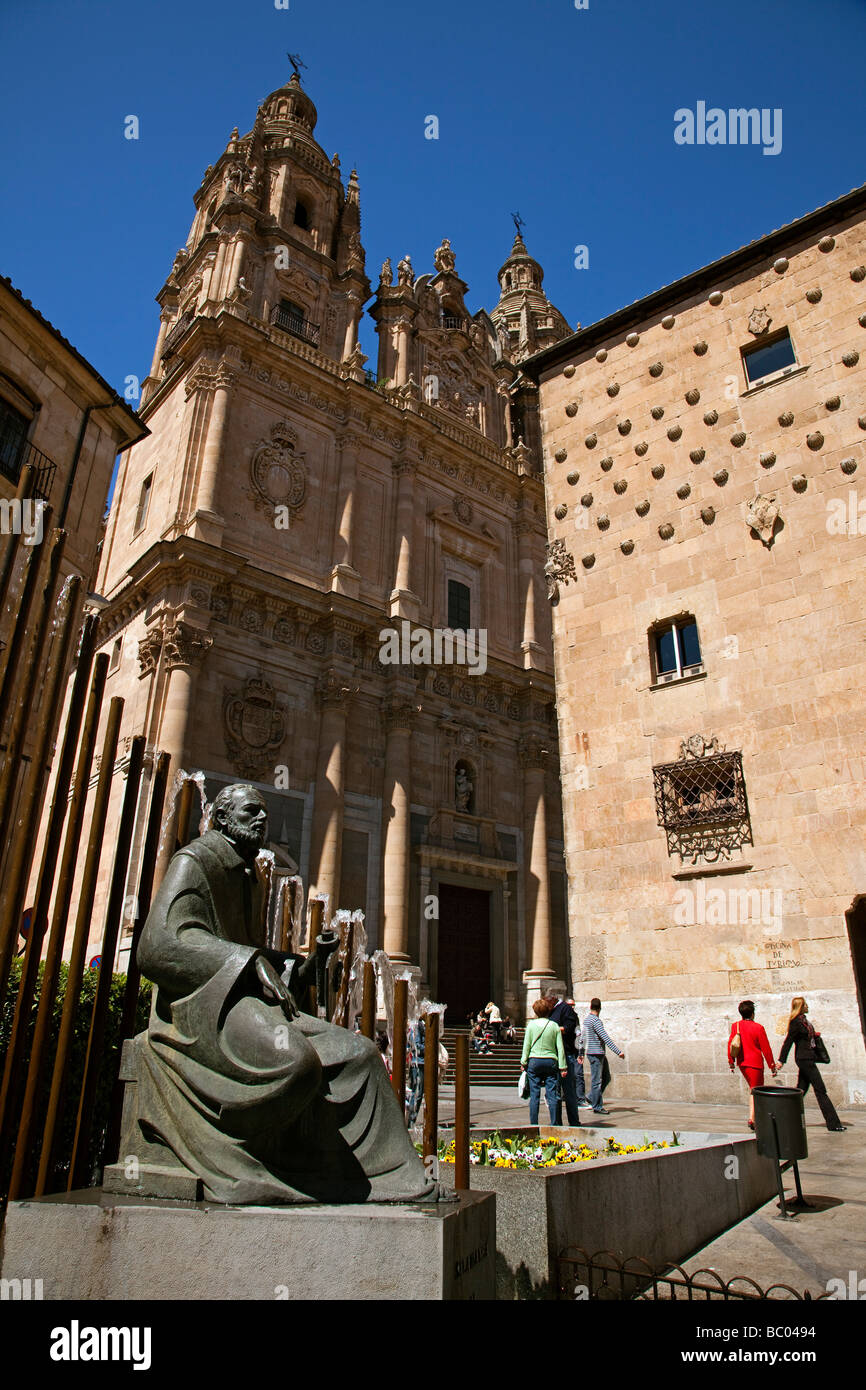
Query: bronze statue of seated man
column 234, row 1083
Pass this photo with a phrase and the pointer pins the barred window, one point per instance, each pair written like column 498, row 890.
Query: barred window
column 701, row 803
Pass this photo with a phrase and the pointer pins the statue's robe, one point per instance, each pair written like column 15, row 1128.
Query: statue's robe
column 261, row 1108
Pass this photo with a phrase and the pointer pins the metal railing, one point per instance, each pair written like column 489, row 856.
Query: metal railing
column 605, row 1277
column 174, row 337
column 449, row 321
column 297, row 326
column 15, row 453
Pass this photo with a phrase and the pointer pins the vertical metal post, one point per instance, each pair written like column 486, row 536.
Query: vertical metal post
column 78, row 1170
column 398, row 1041
column 10, row 657
column 368, row 1007
column 431, row 1087
column 462, row 1166
column 287, row 916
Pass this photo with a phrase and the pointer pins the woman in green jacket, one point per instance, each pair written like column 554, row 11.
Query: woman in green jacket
column 543, row 1058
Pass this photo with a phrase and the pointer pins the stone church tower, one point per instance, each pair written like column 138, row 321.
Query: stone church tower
column 291, row 514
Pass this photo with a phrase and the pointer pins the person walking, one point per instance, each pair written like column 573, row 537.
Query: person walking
column 803, row 1038
column 494, row 1020
column 593, row 1041
column 543, row 1059
column 573, row 1086
column 750, row 1053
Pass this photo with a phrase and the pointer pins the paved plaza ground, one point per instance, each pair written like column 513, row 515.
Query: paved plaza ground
column 828, row 1242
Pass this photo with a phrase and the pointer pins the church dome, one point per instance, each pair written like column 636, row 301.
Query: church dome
column 289, row 106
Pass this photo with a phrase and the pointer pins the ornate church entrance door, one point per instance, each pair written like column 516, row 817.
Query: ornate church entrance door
column 464, row 950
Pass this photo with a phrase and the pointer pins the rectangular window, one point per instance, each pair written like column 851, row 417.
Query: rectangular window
column 677, row 649
column 13, row 433
column 115, row 656
column 458, row 605
column 143, row 505
column 766, row 359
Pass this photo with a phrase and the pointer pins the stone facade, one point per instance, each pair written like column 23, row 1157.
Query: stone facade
column 288, row 512
column 688, row 485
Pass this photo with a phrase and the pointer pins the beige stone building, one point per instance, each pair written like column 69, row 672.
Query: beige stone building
column 328, row 579
column 704, row 464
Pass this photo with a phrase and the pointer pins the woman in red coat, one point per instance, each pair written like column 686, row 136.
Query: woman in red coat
column 754, row 1050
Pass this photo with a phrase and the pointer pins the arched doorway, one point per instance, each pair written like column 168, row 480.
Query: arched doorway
column 856, row 920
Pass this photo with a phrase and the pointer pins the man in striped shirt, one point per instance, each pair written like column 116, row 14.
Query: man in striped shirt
column 593, row 1041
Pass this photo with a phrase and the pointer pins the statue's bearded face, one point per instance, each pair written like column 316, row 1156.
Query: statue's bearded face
column 245, row 822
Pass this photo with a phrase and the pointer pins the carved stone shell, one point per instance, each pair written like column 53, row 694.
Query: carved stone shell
column 588, row 561
column 675, row 432
column 613, row 388
column 851, row 359
column 601, row 355
column 666, row 531
column 833, row 403
column 642, row 507
column 826, row 244
column 657, row 412
column 683, row 491
column 571, row 409
column 632, row 339
column 693, row 396
column 603, row 521
column 715, row 298
column 767, row 460
column 561, row 455
column 569, row 370
column 862, row 320
column 721, row 477
column 640, row 449
column 620, row 486
column 624, row 426
column 698, row 455
column 700, row 348
column 799, row 482
column 861, row 421
column 815, row 440
column 668, row 321
column 606, row 464
column 586, row 499
column 573, row 478
column 626, row 547
column 858, row 274
column 814, row 296
column 781, row 265
column 658, row 470
column 786, row 418
column 656, row 369
column 711, row 417
column 591, row 441
column 708, row 515
column 738, row 439
column 848, row 465
column 561, row 511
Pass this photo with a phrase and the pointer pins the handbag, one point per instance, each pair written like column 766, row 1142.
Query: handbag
column 737, row 1045
column 523, row 1086
column 821, row 1053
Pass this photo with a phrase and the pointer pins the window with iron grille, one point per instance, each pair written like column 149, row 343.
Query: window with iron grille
column 701, row 803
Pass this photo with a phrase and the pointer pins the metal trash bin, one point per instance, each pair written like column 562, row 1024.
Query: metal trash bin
column 780, row 1122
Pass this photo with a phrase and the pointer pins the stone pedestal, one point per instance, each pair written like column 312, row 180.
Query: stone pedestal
column 88, row 1245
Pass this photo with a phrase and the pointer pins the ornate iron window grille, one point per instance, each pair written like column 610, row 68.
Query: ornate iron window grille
column 702, row 806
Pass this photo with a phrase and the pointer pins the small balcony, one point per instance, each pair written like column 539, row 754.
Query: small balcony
column 15, row 452
column 457, row 325
column 296, row 325
column 173, row 338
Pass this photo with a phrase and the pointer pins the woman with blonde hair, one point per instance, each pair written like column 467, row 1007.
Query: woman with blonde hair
column 803, row 1038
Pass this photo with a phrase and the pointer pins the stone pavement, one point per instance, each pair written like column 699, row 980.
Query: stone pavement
column 828, row 1242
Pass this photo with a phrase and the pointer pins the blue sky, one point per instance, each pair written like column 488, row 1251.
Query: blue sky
column 566, row 115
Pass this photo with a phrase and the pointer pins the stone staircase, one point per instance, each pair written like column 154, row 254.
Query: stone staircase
column 501, row 1067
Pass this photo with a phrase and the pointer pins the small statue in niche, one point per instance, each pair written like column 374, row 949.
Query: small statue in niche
column 405, row 273
column 386, row 274
column 463, row 788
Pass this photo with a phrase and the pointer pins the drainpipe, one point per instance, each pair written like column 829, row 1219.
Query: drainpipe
column 85, row 420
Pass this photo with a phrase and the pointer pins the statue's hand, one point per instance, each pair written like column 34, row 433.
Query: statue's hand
column 273, row 988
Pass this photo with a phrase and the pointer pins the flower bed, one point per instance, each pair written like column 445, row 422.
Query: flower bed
column 521, row 1152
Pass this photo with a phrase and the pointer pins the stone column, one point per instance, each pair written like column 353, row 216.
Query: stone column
column 396, row 799
column 183, row 648
column 351, row 338
column 532, row 650
column 326, row 848
column 540, row 975
column 345, row 579
column 403, row 602
column 215, row 285
column 401, row 370
column 208, row 522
